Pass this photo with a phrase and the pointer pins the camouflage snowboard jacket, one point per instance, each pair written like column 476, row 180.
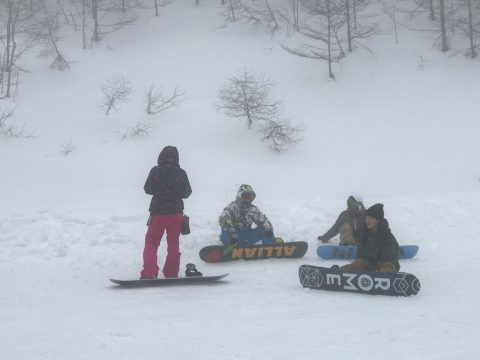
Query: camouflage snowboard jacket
column 241, row 215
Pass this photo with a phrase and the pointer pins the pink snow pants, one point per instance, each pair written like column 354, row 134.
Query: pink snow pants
column 157, row 227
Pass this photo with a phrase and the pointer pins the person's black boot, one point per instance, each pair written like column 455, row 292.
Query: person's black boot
column 192, row 271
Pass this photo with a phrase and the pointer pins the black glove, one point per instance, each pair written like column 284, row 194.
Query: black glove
column 323, row 239
column 269, row 233
column 234, row 238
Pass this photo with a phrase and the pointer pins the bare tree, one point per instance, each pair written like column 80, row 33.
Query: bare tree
column 157, row 4
column 47, row 34
column 431, row 9
column 258, row 12
column 445, row 11
column 469, row 23
column 231, row 8
column 324, row 26
column 452, row 15
column 348, row 22
column 295, row 8
column 389, row 7
column 8, row 127
column 108, row 17
column 97, row 18
column 473, row 32
column 157, row 102
column 248, row 96
column 116, row 91
column 5, row 116
column 328, row 31
column 443, row 29
column 77, row 14
column 16, row 18
column 290, row 14
column 357, row 6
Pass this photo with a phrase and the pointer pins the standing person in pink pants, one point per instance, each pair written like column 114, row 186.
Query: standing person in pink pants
column 168, row 183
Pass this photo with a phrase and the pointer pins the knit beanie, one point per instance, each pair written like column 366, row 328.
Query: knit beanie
column 354, row 200
column 375, row 211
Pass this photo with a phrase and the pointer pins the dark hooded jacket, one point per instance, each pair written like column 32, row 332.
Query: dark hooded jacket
column 379, row 247
column 168, row 183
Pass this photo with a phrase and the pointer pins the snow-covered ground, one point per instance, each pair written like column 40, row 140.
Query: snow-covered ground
column 400, row 126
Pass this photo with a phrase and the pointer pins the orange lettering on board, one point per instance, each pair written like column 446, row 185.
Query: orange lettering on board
column 278, row 251
column 250, row 252
column 289, row 250
column 269, row 251
column 237, row 253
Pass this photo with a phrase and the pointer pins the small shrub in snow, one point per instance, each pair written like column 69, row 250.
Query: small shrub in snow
column 140, row 130
column 249, row 96
column 157, row 102
column 116, row 91
column 67, row 148
column 8, row 127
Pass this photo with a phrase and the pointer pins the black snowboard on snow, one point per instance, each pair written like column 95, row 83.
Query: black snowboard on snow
column 173, row 281
column 221, row 253
column 372, row 283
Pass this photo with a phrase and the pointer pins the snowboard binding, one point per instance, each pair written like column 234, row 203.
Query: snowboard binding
column 192, row 271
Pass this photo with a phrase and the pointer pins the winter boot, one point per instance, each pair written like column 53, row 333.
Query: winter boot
column 192, row 271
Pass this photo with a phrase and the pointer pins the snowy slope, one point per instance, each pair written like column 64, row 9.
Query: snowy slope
column 400, row 130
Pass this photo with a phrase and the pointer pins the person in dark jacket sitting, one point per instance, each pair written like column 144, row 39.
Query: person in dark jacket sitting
column 168, row 183
column 350, row 223
column 378, row 248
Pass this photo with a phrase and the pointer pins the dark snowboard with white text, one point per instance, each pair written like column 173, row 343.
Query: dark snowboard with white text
column 372, row 283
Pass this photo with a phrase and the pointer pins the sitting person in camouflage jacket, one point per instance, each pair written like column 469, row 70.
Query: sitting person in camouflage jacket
column 237, row 219
column 378, row 248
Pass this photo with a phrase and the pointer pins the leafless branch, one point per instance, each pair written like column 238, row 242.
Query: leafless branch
column 8, row 127
column 139, row 130
column 116, row 91
column 67, row 148
column 157, row 102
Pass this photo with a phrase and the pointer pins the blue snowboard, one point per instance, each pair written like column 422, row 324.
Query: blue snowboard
column 365, row 282
column 336, row 252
